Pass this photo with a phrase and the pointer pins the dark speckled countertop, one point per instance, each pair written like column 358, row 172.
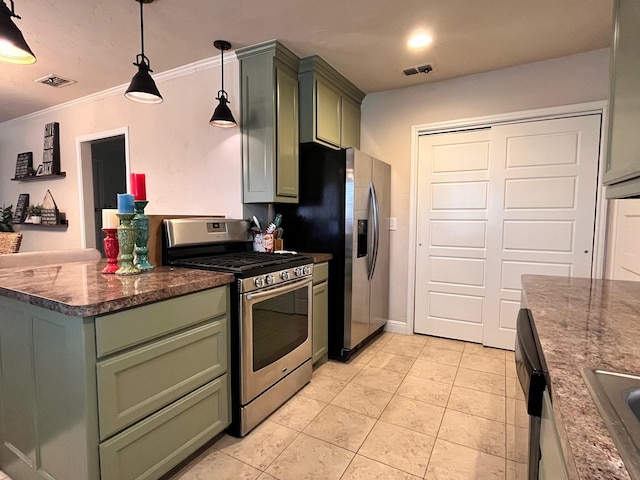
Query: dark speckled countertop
column 318, row 257
column 585, row 323
column 81, row 290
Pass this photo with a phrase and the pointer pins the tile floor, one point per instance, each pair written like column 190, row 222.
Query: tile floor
column 407, row 407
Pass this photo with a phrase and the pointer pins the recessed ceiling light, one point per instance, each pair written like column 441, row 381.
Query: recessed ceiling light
column 419, row 41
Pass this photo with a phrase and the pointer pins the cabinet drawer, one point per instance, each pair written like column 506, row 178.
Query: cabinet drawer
column 124, row 329
column 138, row 383
column 154, row 446
column 320, row 272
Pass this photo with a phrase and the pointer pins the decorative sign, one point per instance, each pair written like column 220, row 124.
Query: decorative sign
column 24, row 165
column 51, row 153
column 50, row 214
column 21, row 208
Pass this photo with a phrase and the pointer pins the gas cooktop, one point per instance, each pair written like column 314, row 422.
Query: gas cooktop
column 243, row 262
column 222, row 245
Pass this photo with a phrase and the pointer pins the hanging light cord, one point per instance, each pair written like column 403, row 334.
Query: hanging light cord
column 11, row 12
column 141, row 58
column 222, row 93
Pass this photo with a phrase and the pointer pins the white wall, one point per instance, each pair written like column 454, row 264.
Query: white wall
column 388, row 117
column 623, row 231
column 191, row 167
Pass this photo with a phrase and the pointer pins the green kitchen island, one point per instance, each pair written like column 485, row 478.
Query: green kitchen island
column 108, row 377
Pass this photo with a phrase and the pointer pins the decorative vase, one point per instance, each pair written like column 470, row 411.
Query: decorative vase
column 126, row 240
column 36, row 220
column 141, row 223
column 111, row 249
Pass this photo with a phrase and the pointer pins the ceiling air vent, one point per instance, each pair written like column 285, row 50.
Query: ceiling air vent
column 55, row 81
column 426, row 68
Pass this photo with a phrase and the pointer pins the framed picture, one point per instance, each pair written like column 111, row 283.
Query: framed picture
column 21, row 208
column 24, row 165
column 40, row 171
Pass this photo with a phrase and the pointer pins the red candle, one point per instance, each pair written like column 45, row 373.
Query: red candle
column 138, row 187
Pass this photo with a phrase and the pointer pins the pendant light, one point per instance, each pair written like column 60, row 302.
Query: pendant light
column 142, row 88
column 222, row 116
column 13, row 47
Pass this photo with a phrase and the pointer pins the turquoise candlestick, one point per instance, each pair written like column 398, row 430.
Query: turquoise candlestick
column 141, row 223
column 126, row 240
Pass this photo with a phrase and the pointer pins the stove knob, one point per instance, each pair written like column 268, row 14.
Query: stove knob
column 306, row 270
column 269, row 279
column 259, row 282
column 284, row 276
column 297, row 272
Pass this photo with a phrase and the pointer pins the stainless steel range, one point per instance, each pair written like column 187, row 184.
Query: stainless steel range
column 270, row 311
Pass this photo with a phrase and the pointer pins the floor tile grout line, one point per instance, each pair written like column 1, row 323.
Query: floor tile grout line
column 471, row 448
column 402, row 376
column 283, row 450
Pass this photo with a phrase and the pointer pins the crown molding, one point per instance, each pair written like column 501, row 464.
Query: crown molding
column 162, row 77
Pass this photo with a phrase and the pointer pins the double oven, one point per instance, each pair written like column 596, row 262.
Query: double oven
column 270, row 318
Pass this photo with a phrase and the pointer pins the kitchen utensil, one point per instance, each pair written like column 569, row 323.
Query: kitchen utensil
column 255, row 220
column 278, row 220
column 271, row 228
column 279, row 232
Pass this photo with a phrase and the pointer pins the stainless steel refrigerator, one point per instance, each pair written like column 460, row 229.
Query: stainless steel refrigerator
column 344, row 210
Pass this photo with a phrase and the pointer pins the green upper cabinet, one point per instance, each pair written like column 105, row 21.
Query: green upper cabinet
column 329, row 105
column 269, row 88
column 623, row 159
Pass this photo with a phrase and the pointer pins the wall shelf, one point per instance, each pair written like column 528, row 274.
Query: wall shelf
column 64, row 224
column 41, row 177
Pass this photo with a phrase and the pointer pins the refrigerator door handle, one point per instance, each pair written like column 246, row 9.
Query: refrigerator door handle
column 376, row 229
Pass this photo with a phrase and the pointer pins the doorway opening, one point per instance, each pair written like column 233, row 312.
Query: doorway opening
column 109, row 179
column 103, row 169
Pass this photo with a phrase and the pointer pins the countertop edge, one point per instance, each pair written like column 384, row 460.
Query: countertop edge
column 588, row 448
column 109, row 292
column 318, row 257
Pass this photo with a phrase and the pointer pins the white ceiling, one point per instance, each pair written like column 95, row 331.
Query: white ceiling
column 95, row 42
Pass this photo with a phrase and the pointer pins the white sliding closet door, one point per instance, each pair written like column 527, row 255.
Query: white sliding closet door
column 453, row 210
column 532, row 210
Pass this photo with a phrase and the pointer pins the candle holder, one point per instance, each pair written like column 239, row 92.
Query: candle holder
column 111, row 249
column 126, row 240
column 141, row 223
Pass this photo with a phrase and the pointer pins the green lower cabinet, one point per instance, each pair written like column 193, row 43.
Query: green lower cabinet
column 136, row 384
column 320, row 330
column 552, row 465
column 48, row 415
column 155, row 445
column 69, row 413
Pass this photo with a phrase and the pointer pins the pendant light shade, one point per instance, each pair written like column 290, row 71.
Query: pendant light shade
column 142, row 88
column 13, row 47
column 222, row 116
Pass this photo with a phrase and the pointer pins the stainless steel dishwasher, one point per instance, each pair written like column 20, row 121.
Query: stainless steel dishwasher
column 532, row 377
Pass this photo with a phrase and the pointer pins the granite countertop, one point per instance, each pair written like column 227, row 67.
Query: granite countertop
column 585, row 323
column 81, row 290
column 318, row 257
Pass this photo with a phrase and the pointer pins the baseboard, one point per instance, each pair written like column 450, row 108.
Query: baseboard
column 397, row 327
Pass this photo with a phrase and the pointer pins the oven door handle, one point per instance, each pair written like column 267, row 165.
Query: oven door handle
column 278, row 290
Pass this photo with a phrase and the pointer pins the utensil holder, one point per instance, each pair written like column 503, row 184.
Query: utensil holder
column 263, row 242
